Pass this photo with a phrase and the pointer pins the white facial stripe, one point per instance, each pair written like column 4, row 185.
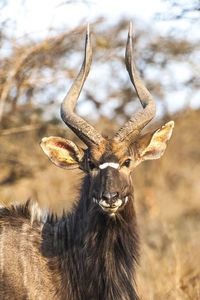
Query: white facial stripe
column 109, row 164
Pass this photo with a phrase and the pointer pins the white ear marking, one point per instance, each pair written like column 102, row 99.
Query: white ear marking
column 109, row 164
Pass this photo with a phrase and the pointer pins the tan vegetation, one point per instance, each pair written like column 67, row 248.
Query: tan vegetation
column 167, row 200
column 32, row 75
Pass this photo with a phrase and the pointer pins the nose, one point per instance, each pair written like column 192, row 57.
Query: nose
column 110, row 197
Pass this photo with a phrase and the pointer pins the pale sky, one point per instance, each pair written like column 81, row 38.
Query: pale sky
column 35, row 16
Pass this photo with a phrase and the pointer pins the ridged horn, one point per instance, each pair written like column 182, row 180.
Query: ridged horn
column 132, row 128
column 80, row 127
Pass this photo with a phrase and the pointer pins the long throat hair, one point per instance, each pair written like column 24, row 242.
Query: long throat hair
column 109, row 249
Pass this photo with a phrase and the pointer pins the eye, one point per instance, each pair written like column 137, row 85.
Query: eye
column 91, row 165
column 126, row 163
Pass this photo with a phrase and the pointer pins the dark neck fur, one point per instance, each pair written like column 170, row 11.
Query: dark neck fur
column 100, row 251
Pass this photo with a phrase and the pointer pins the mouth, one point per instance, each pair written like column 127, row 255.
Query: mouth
column 112, row 208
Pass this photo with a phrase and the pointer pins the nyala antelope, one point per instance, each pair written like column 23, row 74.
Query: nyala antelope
column 90, row 253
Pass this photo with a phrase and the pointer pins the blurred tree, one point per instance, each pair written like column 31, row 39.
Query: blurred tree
column 186, row 9
column 36, row 74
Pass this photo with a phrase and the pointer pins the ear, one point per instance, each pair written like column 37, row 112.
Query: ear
column 62, row 152
column 152, row 146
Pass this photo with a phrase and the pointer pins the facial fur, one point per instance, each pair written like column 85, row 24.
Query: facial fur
column 110, row 176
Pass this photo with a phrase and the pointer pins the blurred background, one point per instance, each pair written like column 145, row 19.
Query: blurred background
column 41, row 51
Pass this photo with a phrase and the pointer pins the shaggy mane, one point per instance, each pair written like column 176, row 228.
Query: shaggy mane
column 29, row 210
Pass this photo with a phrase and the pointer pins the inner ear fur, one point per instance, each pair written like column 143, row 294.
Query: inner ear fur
column 62, row 152
column 152, row 146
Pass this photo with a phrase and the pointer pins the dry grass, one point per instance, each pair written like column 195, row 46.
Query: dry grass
column 167, row 202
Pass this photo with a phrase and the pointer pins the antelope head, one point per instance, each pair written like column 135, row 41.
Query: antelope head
column 108, row 162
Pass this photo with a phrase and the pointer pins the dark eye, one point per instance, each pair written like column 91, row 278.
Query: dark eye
column 126, row 163
column 91, row 165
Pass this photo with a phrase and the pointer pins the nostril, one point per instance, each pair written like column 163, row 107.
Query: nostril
column 115, row 196
column 105, row 196
column 110, row 196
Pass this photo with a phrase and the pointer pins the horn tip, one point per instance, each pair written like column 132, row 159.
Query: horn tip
column 88, row 29
column 130, row 33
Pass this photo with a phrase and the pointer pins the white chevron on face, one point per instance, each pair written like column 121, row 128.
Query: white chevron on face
column 109, row 164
